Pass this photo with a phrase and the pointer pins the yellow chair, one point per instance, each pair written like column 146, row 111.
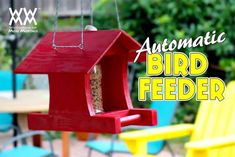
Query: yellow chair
column 212, row 135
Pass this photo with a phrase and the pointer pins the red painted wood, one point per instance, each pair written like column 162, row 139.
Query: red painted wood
column 130, row 119
column 148, row 117
column 115, row 82
column 69, row 70
column 96, row 44
column 101, row 123
column 68, row 91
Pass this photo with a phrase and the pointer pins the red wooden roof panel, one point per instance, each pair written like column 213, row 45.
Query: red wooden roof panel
column 45, row 59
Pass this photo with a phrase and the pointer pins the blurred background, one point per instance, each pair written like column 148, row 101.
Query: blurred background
column 157, row 19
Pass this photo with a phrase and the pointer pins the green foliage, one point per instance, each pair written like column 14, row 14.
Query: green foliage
column 5, row 60
column 229, row 65
column 26, row 41
column 160, row 19
column 157, row 19
column 2, row 50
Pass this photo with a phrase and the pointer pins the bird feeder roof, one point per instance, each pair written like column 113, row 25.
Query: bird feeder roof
column 44, row 59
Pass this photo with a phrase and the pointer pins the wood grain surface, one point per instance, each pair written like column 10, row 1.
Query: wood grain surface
column 45, row 59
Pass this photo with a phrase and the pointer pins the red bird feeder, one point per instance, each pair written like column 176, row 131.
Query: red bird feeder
column 69, row 71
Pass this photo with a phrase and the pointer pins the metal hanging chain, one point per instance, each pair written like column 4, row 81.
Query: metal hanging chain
column 117, row 14
column 82, row 25
column 91, row 12
column 56, row 27
column 81, row 45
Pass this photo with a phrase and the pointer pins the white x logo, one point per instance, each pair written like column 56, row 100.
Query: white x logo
column 17, row 18
column 29, row 16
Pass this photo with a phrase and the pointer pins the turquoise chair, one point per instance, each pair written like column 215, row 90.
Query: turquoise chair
column 6, row 119
column 6, row 123
column 165, row 110
column 6, row 81
column 25, row 150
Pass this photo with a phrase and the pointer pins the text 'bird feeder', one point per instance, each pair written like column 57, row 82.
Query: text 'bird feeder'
column 70, row 72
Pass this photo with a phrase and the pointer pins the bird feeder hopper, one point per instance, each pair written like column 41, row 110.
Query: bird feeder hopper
column 70, row 71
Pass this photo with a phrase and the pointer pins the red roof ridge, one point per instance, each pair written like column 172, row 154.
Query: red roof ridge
column 44, row 59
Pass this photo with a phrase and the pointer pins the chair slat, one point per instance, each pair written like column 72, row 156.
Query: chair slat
column 216, row 119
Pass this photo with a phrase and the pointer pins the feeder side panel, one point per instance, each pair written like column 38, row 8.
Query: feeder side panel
column 70, row 93
column 115, row 83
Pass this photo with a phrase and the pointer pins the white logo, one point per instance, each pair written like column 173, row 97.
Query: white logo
column 29, row 16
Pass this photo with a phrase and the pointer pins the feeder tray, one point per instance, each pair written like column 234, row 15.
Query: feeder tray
column 74, row 104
